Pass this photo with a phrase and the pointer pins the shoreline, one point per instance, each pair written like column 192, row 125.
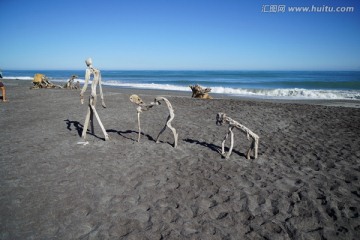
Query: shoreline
column 351, row 103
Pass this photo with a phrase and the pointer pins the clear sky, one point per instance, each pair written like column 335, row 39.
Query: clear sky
column 178, row 34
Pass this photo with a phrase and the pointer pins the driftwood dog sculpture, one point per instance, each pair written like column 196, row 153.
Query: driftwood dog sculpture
column 142, row 107
column 221, row 119
column 199, row 92
column 92, row 99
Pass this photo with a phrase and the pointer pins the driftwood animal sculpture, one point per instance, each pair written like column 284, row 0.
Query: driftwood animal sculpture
column 199, row 92
column 41, row 81
column 221, row 119
column 142, row 107
column 92, row 99
column 70, row 83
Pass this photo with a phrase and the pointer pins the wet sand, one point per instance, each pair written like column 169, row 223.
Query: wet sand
column 304, row 184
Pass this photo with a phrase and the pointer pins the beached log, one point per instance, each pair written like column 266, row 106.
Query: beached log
column 145, row 107
column 70, row 83
column 199, row 92
column 92, row 99
column 41, row 81
column 221, row 119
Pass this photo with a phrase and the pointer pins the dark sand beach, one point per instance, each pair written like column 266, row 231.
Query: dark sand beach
column 304, row 184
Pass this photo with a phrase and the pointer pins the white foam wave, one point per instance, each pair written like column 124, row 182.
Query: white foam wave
column 295, row 93
column 148, row 86
column 18, row 78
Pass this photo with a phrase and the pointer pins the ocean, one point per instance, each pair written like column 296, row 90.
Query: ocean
column 258, row 84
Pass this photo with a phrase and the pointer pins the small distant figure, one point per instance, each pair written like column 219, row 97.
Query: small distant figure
column 70, row 83
column 3, row 90
column 1, row 74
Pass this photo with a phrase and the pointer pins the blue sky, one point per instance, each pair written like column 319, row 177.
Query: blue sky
column 177, row 34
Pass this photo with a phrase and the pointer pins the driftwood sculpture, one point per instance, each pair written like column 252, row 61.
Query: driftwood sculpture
column 70, row 83
column 41, row 81
column 142, row 107
column 199, row 92
column 92, row 99
column 221, row 119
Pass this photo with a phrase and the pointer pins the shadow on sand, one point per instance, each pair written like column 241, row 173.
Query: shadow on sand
column 213, row 147
column 79, row 128
column 127, row 134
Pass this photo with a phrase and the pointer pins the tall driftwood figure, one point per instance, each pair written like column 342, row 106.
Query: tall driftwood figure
column 221, row 118
column 92, row 99
column 142, row 107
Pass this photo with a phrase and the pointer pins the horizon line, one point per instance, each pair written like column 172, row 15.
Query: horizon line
column 208, row 70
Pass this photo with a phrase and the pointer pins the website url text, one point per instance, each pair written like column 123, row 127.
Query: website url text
column 308, row 9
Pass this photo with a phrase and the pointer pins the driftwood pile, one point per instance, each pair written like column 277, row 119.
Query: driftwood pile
column 70, row 83
column 41, row 81
column 199, row 92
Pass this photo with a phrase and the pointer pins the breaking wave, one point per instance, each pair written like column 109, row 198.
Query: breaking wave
column 295, row 93
column 276, row 93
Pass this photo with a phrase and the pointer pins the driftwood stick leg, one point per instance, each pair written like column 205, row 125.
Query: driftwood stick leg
column 176, row 135
column 169, row 119
column 223, row 144
column 138, row 115
column 248, row 153
column 92, row 121
column 256, row 147
column 162, row 130
column 251, row 148
column 173, row 131
column 86, row 124
column 231, row 143
column 100, row 123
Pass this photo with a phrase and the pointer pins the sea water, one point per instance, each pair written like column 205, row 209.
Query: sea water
column 260, row 84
